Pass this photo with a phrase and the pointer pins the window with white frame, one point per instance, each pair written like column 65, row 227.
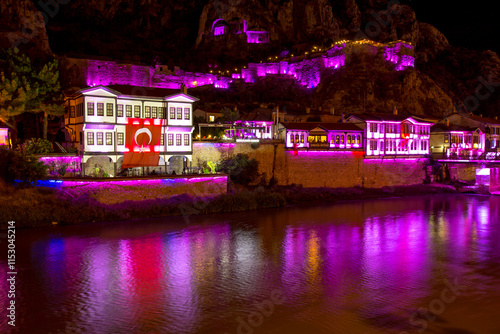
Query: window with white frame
column 109, row 109
column 178, row 139
column 90, row 138
column 109, row 138
column 137, row 111
column 119, row 138
column 128, row 110
column 186, row 139
column 90, row 108
column 119, row 110
column 99, row 138
column 100, row 109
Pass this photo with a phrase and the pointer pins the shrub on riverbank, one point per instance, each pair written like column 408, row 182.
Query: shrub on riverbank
column 18, row 167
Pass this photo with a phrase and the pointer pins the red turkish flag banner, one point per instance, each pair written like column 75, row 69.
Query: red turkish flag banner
column 142, row 142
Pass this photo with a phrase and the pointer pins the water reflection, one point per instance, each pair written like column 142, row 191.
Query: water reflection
column 360, row 267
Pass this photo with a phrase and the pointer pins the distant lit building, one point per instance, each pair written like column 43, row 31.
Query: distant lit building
column 253, row 126
column 209, row 116
column 489, row 126
column 455, row 141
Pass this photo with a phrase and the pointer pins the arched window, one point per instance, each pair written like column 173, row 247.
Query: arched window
column 349, row 139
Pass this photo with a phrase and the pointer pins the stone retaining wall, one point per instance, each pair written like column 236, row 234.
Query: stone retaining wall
column 318, row 168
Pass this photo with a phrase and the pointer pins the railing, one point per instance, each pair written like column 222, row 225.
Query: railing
column 487, row 156
column 319, row 145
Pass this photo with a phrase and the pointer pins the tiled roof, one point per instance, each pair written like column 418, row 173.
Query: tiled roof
column 259, row 114
column 387, row 117
column 445, row 128
column 487, row 120
column 380, row 117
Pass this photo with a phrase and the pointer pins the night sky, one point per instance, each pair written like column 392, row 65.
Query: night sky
column 471, row 24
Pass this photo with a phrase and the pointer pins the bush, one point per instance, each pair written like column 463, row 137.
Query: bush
column 17, row 167
column 37, row 146
column 241, row 169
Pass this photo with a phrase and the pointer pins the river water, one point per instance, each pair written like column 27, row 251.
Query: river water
column 412, row 265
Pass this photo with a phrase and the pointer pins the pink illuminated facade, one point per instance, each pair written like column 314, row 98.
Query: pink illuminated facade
column 96, row 118
column 393, row 135
column 330, row 136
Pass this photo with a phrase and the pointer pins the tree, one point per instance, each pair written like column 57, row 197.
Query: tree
column 241, row 169
column 229, row 116
column 27, row 88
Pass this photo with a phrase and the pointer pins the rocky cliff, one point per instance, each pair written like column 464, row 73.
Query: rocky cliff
column 178, row 33
column 23, row 26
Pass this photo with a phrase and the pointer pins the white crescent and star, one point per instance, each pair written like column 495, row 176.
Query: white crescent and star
column 146, row 131
column 143, row 130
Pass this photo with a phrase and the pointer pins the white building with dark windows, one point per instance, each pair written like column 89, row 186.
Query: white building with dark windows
column 323, row 136
column 393, row 135
column 96, row 118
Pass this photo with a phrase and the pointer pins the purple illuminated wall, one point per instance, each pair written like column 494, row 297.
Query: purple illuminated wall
column 307, row 72
column 257, row 37
column 400, row 54
column 219, row 30
column 105, row 73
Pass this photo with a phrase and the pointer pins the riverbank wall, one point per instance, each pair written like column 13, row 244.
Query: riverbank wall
column 116, row 190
